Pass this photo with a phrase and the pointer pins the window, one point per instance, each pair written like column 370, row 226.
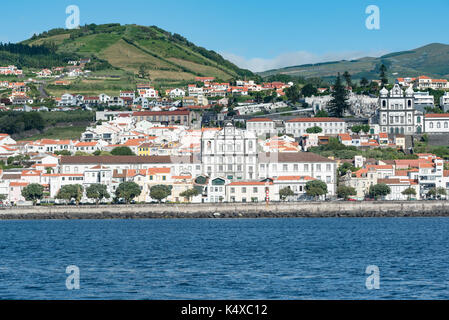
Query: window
column 244, row 190
column 232, row 190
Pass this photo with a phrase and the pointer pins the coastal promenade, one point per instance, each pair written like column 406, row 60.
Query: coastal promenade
column 233, row 210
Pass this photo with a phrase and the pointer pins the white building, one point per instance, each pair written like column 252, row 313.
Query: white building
column 177, row 93
column 423, row 99
column 261, row 126
column 195, row 91
column 444, row 102
column 330, row 126
column 304, row 164
column 127, row 94
column 396, row 113
column 230, row 153
column 424, row 82
column 146, row 91
column 436, row 123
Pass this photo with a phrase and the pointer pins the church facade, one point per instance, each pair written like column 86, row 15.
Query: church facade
column 397, row 113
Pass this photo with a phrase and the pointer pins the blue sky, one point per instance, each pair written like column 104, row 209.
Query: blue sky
column 254, row 34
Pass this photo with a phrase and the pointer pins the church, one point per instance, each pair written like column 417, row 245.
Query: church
column 397, row 113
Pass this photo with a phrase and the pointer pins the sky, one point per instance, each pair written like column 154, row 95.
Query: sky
column 255, row 34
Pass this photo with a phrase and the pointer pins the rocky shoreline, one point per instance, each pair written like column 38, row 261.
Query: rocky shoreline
column 228, row 211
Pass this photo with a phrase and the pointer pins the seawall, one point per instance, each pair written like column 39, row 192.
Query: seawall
column 233, row 210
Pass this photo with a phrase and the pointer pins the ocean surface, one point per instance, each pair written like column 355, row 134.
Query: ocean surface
column 226, row 259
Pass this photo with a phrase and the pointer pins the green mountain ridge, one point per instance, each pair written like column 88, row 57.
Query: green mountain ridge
column 166, row 56
column 431, row 60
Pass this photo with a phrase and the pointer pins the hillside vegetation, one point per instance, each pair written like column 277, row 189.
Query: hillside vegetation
column 431, row 60
column 113, row 47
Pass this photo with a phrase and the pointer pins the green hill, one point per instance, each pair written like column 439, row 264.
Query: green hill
column 431, row 60
column 123, row 49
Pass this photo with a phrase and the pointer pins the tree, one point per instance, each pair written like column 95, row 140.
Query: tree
column 322, row 114
column 431, row 193
column 3, row 197
column 441, row 192
column 409, row 192
column 63, row 153
column 338, row 104
column 292, row 93
column 128, row 191
column 364, row 82
column 383, row 75
column 143, row 73
column 309, row 90
column 97, row 192
column 347, row 77
column 316, row 188
column 33, row 192
column 314, row 130
column 188, row 194
column 258, row 98
column 356, row 129
column 122, row 151
column 82, row 154
column 345, row 167
column 379, row 190
column 71, row 191
column 217, row 108
column 345, row 191
column 285, row 193
column 365, row 128
column 160, row 192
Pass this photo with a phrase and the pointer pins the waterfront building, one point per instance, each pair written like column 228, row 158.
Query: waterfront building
column 251, row 191
column 303, row 164
column 230, row 153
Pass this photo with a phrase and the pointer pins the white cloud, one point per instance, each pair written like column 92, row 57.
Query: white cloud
column 295, row 58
